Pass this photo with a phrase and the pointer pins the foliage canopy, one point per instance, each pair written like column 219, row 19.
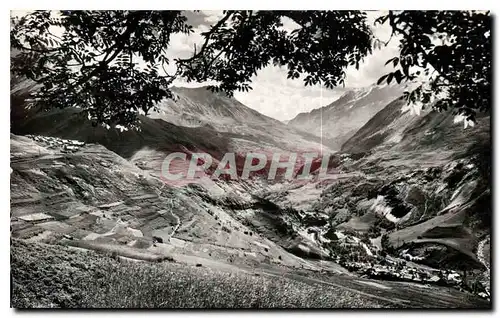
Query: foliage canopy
column 450, row 48
column 112, row 64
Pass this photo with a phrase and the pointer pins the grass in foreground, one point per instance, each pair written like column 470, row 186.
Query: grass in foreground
column 48, row 276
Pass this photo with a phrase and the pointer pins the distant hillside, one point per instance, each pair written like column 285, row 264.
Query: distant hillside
column 341, row 119
column 199, row 106
column 404, row 131
column 198, row 119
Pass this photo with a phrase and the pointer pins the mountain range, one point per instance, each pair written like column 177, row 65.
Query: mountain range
column 340, row 120
column 402, row 185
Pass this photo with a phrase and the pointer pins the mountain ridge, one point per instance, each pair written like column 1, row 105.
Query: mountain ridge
column 339, row 120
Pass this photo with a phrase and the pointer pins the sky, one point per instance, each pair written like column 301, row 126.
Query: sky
column 273, row 94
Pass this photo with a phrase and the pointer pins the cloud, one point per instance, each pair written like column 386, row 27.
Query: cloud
column 372, row 68
column 288, row 24
column 182, row 45
column 195, row 18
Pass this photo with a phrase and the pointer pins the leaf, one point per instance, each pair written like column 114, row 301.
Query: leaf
column 381, row 19
column 389, row 78
column 380, row 80
column 390, row 60
column 398, row 76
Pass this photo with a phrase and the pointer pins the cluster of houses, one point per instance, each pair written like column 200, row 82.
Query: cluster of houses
column 399, row 270
column 64, row 145
column 374, row 265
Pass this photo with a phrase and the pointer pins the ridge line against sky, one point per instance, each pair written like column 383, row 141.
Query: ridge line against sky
column 273, row 94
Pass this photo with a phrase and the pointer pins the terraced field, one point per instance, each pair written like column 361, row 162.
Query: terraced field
column 114, row 229
column 95, row 198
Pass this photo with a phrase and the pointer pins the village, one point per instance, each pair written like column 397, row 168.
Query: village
column 403, row 269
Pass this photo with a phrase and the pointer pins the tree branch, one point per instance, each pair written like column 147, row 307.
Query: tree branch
column 119, row 44
column 420, row 48
column 208, row 36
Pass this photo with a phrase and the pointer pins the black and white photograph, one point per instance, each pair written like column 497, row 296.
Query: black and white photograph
column 251, row 159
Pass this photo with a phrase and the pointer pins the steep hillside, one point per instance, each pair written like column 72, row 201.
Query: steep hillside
column 198, row 107
column 341, row 119
column 405, row 187
column 413, row 186
column 395, row 127
column 147, row 147
column 432, row 209
column 198, row 120
column 94, row 199
column 441, row 184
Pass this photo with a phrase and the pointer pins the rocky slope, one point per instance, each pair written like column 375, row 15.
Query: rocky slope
column 95, row 199
column 199, row 107
column 421, row 189
column 414, row 186
column 396, row 127
column 146, row 149
column 341, row 119
column 195, row 107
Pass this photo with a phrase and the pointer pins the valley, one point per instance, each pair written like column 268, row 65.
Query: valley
column 402, row 222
